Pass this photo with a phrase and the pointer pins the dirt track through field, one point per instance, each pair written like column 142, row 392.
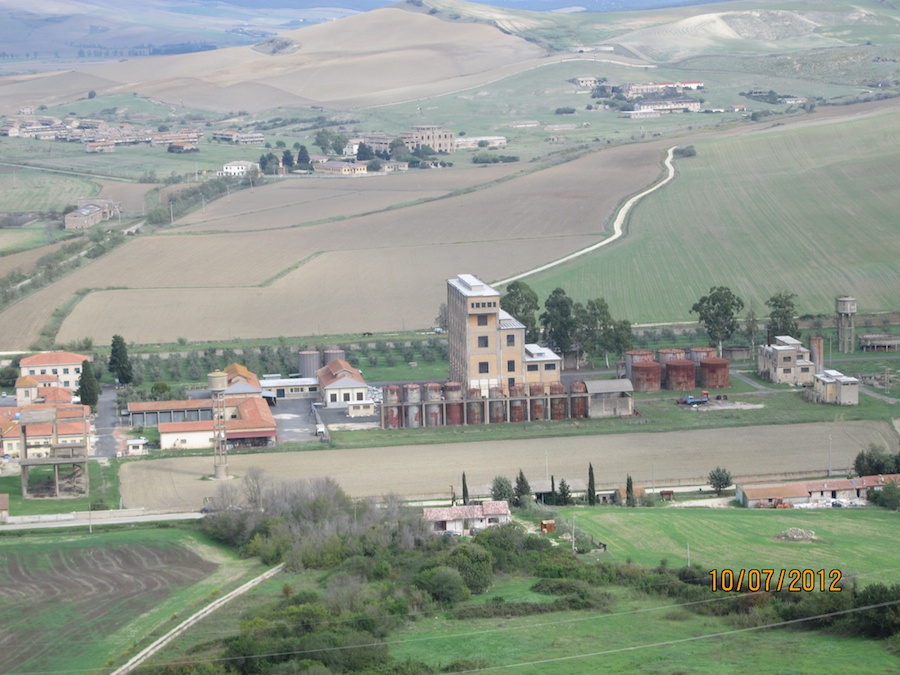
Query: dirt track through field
column 430, row 470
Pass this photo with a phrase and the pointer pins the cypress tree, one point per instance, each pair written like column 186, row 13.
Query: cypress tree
column 89, row 390
column 629, row 492
column 565, row 494
column 591, row 489
column 522, row 490
column 553, row 489
column 119, row 363
column 465, row 490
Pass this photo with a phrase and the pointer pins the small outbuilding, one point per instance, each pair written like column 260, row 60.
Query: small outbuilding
column 610, row 398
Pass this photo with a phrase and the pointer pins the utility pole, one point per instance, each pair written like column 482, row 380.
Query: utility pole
column 573, row 533
column 829, row 455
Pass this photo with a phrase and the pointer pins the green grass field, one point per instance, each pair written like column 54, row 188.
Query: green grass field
column 642, row 634
column 104, row 485
column 101, row 596
column 28, row 190
column 855, row 541
column 810, row 210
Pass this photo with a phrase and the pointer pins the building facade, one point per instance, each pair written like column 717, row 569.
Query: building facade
column 65, row 366
column 786, row 362
column 487, row 345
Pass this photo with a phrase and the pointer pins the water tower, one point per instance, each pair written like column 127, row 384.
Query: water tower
column 845, row 306
column 218, row 382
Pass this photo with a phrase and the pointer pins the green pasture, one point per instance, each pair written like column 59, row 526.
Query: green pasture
column 82, row 638
column 859, row 542
column 641, row 633
column 35, row 234
column 28, row 190
column 811, row 210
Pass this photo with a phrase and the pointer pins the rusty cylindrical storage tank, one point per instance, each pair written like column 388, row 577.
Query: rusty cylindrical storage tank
column 645, row 376
column 579, row 400
column 474, row 406
column 636, row 356
column 697, row 354
column 714, row 373
column 412, row 395
column 663, row 356
column 309, row 363
column 537, row 401
column 433, row 395
column 497, row 406
column 517, row 403
column 453, row 394
column 680, row 375
column 391, row 403
column 557, row 401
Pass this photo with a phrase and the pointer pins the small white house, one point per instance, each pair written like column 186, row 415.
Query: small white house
column 462, row 519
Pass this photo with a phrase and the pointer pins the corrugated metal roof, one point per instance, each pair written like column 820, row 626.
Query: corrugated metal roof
column 608, row 386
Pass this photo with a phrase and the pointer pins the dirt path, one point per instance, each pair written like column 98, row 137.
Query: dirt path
column 429, row 471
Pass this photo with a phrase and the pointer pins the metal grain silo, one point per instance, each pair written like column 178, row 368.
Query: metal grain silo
column 391, row 405
column 517, row 403
column 433, row 405
column 557, row 401
column 681, row 375
column 309, row 363
column 580, row 400
column 497, row 406
column 645, row 376
column 474, row 406
column 714, row 373
column 537, row 401
column 635, row 356
column 412, row 396
column 453, row 394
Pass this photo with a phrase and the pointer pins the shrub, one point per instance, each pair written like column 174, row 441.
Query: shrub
column 474, row 564
column 444, row 584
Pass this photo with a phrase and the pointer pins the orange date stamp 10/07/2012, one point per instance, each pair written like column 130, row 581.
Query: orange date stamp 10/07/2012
column 765, row 580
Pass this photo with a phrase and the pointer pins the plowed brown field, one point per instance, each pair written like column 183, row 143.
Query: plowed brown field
column 417, row 471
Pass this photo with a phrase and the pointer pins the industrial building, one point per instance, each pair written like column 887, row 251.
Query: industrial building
column 785, row 362
column 487, row 345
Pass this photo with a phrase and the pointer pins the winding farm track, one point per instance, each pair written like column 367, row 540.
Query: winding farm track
column 618, row 224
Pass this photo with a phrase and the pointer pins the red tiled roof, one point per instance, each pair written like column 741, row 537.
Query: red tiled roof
column 55, row 394
column 165, row 406
column 237, row 371
column 253, row 415
column 34, row 380
column 336, row 369
column 175, row 427
column 53, row 359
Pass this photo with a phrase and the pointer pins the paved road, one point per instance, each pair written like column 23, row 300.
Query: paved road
column 107, row 422
column 86, row 522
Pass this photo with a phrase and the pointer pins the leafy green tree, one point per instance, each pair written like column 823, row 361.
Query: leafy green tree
column 338, row 143
column 287, row 159
column 629, row 492
column 364, row 153
column 875, row 460
column 591, row 487
column 522, row 491
column 719, row 479
column 522, row 303
column 559, row 321
column 324, row 140
column 398, row 149
column 159, row 390
column 280, row 144
column 751, row 322
column 887, row 497
column 879, row 622
column 564, row 496
column 718, row 313
column 502, row 490
column 373, row 165
column 475, row 565
column 119, row 363
column 89, row 389
column 445, row 584
column 781, row 316
column 465, row 490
